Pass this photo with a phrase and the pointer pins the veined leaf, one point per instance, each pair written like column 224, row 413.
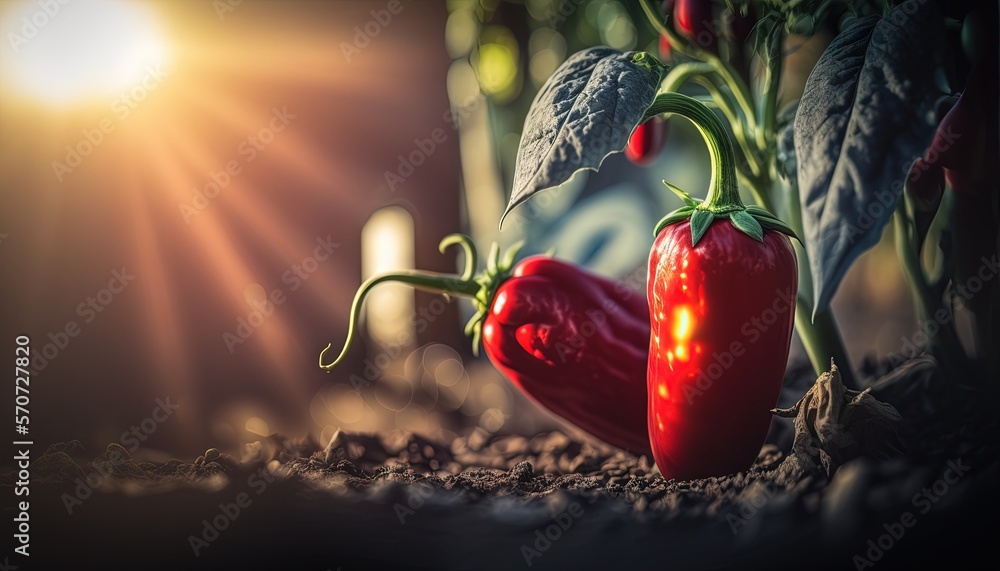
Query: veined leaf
column 865, row 115
column 583, row 113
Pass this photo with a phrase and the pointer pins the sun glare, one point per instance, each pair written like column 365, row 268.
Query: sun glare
column 69, row 53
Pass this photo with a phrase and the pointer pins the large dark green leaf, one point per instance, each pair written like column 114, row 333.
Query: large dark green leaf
column 865, row 115
column 583, row 113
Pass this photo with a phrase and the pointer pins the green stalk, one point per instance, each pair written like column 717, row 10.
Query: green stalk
column 723, row 193
column 768, row 107
column 944, row 345
column 704, row 75
column 723, row 200
column 481, row 288
column 820, row 336
column 740, row 90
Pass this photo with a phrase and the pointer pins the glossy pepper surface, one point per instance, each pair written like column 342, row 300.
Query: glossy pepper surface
column 571, row 340
column 721, row 290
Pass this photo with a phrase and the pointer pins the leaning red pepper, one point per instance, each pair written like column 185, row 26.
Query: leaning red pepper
column 721, row 290
column 571, row 340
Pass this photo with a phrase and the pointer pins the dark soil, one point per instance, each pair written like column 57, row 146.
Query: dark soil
column 893, row 497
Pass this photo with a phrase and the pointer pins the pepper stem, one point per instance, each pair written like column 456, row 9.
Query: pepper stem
column 723, row 200
column 481, row 288
column 463, row 286
column 723, row 192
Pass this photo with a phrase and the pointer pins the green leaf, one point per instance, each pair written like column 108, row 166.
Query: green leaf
column 778, row 226
column 683, row 194
column 586, row 111
column 678, row 215
column 759, row 211
column 700, row 221
column 865, row 114
column 746, row 224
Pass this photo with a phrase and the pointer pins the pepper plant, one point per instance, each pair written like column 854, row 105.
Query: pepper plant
column 828, row 145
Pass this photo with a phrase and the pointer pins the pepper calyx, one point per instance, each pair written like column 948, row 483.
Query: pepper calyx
column 497, row 272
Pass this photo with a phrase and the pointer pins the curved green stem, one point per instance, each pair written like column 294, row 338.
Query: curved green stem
column 740, row 90
column 427, row 281
column 723, row 193
column 703, row 74
column 682, row 72
column 464, row 285
column 944, row 344
column 739, row 128
column 723, row 200
column 769, row 99
column 471, row 258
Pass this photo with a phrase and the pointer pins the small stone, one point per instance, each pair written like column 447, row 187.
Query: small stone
column 213, row 468
column 522, row 472
column 212, row 454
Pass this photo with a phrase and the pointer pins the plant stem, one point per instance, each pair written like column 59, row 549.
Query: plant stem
column 723, row 190
column 821, row 339
column 740, row 90
column 944, row 344
column 769, row 98
column 820, row 336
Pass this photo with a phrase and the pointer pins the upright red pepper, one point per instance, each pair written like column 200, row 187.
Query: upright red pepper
column 721, row 290
column 571, row 340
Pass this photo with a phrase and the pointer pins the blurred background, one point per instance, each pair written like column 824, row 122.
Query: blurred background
column 191, row 193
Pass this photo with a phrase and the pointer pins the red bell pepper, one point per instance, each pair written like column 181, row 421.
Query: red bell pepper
column 721, row 290
column 571, row 340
